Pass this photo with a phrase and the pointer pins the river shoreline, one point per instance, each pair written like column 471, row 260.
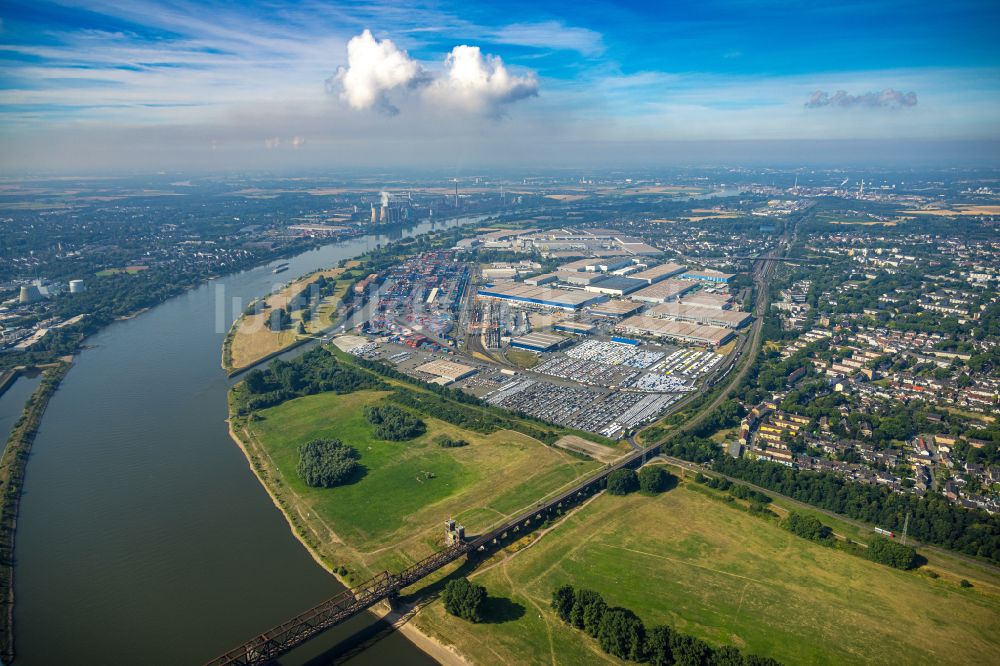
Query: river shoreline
column 13, row 467
column 262, row 470
column 109, row 517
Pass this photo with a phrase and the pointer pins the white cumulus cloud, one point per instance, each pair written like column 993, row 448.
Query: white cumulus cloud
column 478, row 82
column 375, row 69
column 378, row 71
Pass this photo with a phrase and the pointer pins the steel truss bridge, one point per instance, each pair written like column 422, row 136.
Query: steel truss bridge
column 273, row 643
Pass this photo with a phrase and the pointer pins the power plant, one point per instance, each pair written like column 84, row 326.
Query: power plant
column 29, row 293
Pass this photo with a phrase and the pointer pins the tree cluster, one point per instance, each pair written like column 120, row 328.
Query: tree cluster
column 450, row 443
column 393, row 424
column 806, row 526
column 315, row 371
column 654, row 479
column 622, row 482
column 885, row 551
column 464, row 599
column 621, row 633
column 325, row 463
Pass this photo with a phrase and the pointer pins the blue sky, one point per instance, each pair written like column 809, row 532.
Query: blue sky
column 144, row 83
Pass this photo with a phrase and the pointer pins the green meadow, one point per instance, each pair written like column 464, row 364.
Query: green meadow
column 710, row 569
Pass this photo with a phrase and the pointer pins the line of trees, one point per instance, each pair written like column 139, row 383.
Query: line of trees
column 486, row 418
column 621, row 633
column 933, row 519
column 758, row 502
column 879, row 548
column 472, row 417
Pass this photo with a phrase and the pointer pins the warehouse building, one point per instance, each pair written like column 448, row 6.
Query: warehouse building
column 616, row 286
column 525, row 294
column 700, row 315
column 567, row 277
column 676, row 330
column 574, row 327
column 615, row 308
column 597, row 265
column 708, row 276
column 658, row 273
column 538, row 342
column 446, row 372
column 707, row 299
column 662, row 292
column 635, row 246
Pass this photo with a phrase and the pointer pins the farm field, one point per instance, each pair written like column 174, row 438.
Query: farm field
column 394, row 513
column 712, row 570
column 960, row 209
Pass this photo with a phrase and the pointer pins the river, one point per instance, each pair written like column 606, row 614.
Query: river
column 143, row 536
column 13, row 399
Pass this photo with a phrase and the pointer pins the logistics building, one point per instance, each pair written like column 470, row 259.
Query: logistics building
column 524, row 294
column 661, row 292
column 597, row 265
column 538, row 342
column 657, row 273
column 568, row 277
column 615, row 308
column 708, row 276
column 700, row 315
column 616, row 286
column 446, row 372
column 676, row 330
column 707, row 299
column 574, row 327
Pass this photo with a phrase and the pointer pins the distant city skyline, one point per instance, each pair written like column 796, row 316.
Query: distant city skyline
column 141, row 85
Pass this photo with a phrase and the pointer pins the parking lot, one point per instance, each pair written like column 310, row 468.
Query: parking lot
column 592, row 373
column 613, row 353
column 613, row 388
column 607, row 413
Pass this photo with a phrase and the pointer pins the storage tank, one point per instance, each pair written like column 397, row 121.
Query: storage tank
column 76, row 286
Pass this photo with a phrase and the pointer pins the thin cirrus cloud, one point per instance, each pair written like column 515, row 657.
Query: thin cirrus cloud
column 379, row 75
column 888, row 98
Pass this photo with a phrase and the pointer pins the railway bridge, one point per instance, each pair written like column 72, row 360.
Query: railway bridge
column 268, row 646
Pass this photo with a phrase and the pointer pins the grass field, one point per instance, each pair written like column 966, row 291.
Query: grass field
column 131, row 270
column 522, row 359
column 714, row 571
column 961, row 209
column 394, row 513
column 250, row 338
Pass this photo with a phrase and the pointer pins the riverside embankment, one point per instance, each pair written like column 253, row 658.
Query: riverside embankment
column 143, row 537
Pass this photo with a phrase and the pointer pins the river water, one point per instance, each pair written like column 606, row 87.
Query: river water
column 13, row 399
column 143, row 536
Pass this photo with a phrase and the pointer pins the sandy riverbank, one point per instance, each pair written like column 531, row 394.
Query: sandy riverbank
column 444, row 654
